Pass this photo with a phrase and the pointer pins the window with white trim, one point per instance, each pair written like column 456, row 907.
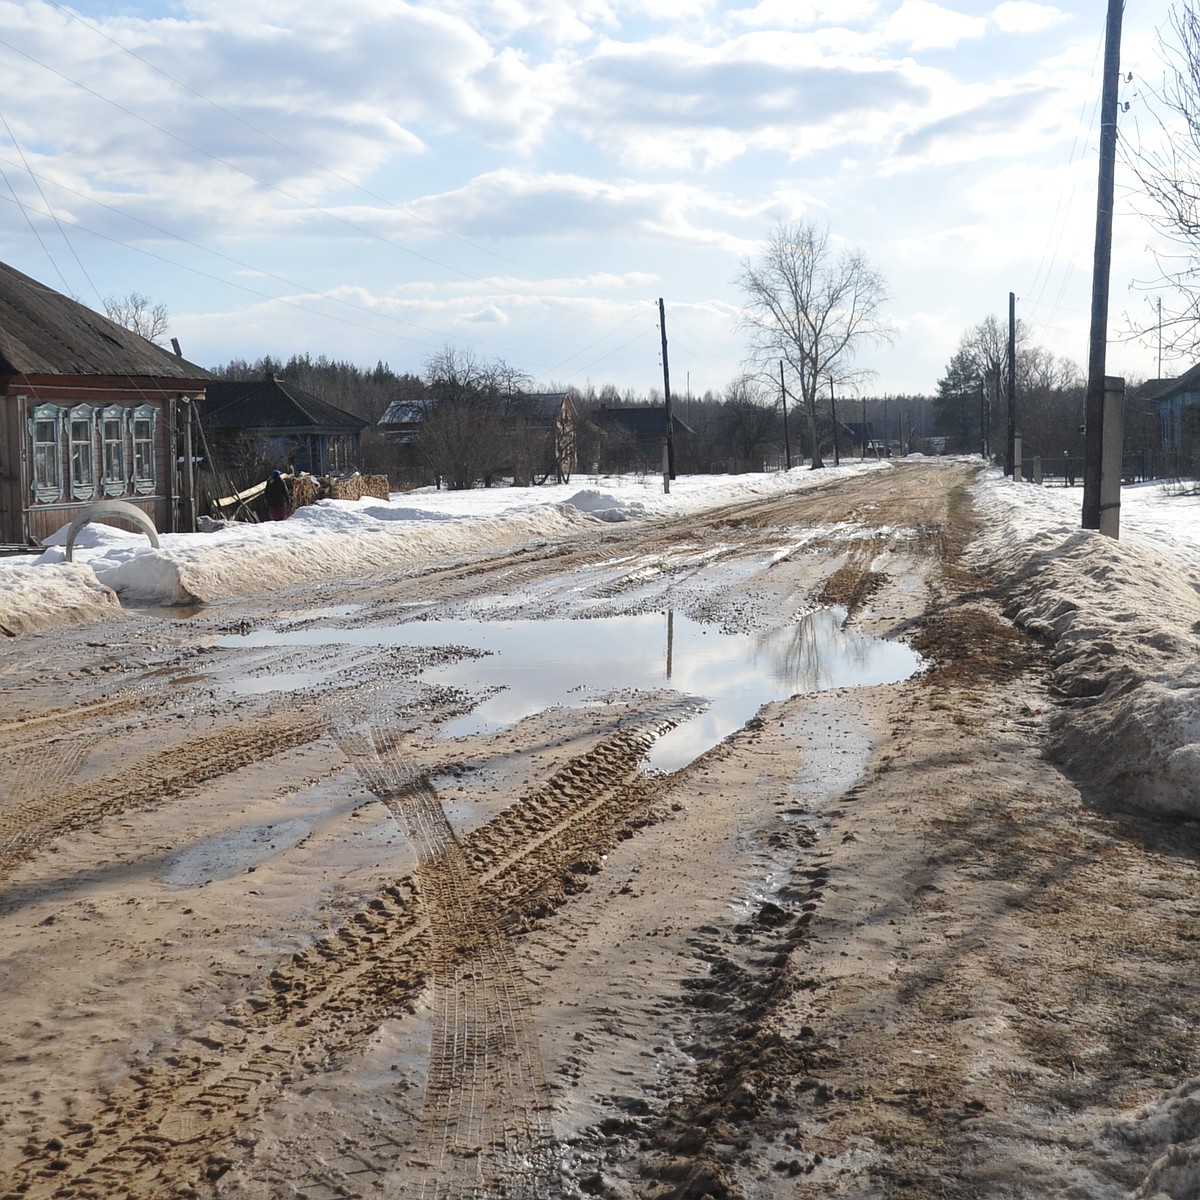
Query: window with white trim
column 45, row 431
column 143, row 422
column 81, row 435
column 114, row 477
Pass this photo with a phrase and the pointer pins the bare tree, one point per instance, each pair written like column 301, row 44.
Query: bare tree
column 812, row 307
column 135, row 312
column 750, row 422
column 466, row 428
column 1168, row 170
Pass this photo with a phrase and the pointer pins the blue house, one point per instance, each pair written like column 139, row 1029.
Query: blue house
column 1178, row 405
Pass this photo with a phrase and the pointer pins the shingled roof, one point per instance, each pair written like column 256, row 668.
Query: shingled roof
column 263, row 405
column 43, row 332
column 644, row 422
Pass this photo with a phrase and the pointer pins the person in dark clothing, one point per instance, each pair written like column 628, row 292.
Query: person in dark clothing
column 278, row 501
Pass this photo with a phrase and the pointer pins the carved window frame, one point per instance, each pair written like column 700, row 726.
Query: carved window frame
column 143, row 425
column 45, row 436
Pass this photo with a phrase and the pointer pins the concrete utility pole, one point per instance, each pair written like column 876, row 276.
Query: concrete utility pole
column 670, row 465
column 1094, row 455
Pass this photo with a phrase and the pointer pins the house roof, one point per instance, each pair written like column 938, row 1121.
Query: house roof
column 272, row 404
column 402, row 412
column 645, row 422
column 541, row 404
column 43, row 332
column 1163, row 389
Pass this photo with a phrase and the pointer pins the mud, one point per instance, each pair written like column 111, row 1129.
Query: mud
column 268, row 941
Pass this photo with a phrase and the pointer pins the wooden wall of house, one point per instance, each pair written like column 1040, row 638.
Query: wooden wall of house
column 10, row 475
column 32, row 515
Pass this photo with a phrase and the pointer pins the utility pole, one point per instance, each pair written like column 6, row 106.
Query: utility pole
column 983, row 418
column 1159, row 337
column 670, row 443
column 837, row 462
column 787, row 441
column 1011, row 465
column 1093, row 447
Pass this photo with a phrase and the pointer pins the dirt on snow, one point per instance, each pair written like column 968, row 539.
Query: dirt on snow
column 265, row 932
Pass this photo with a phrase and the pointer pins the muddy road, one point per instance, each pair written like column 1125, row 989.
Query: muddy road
column 279, row 917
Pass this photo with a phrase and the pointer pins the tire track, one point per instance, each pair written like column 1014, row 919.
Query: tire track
column 46, row 809
column 485, row 1132
column 168, row 1126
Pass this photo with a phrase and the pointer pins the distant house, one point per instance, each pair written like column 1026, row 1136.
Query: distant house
column 633, row 437
column 535, row 434
column 401, row 421
column 1178, row 405
column 545, row 433
column 88, row 412
column 275, row 425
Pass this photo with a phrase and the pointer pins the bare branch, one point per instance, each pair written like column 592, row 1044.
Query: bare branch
column 134, row 311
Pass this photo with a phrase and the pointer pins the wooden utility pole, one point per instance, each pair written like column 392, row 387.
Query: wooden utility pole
column 787, row 441
column 1093, row 446
column 1010, row 456
column 837, row 461
column 662, row 325
column 983, row 418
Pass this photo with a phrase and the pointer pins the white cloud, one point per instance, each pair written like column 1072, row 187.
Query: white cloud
column 672, row 102
column 1023, row 16
column 514, row 204
column 923, row 25
column 802, row 14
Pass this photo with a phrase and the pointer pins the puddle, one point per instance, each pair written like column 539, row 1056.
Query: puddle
column 565, row 662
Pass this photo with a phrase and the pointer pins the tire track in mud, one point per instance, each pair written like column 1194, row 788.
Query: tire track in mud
column 44, row 808
column 484, row 1130
column 168, row 1127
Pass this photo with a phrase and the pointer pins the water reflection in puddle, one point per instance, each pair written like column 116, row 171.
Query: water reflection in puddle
column 539, row 664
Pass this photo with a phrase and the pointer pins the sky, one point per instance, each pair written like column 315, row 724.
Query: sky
column 524, row 179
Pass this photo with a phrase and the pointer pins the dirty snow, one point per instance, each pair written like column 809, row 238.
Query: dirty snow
column 1122, row 617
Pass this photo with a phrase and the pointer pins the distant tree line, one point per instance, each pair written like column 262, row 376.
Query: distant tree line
column 971, row 408
column 474, row 428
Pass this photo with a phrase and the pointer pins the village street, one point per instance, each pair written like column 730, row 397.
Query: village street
column 291, row 904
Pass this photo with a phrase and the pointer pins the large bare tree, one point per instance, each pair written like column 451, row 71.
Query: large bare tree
column 812, row 306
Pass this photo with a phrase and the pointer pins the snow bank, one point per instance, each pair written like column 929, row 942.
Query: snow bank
column 39, row 598
column 1122, row 618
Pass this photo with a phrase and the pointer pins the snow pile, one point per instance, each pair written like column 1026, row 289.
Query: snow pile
column 39, row 598
column 1166, row 1129
column 604, row 507
column 1123, row 619
column 332, row 537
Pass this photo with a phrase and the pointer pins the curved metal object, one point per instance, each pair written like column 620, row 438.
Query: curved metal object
column 115, row 510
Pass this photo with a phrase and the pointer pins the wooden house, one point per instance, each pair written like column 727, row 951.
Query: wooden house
column 88, row 412
column 1178, row 405
column 544, row 430
column 632, row 438
column 280, row 427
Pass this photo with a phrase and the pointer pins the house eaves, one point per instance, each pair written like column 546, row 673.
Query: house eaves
column 43, row 332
